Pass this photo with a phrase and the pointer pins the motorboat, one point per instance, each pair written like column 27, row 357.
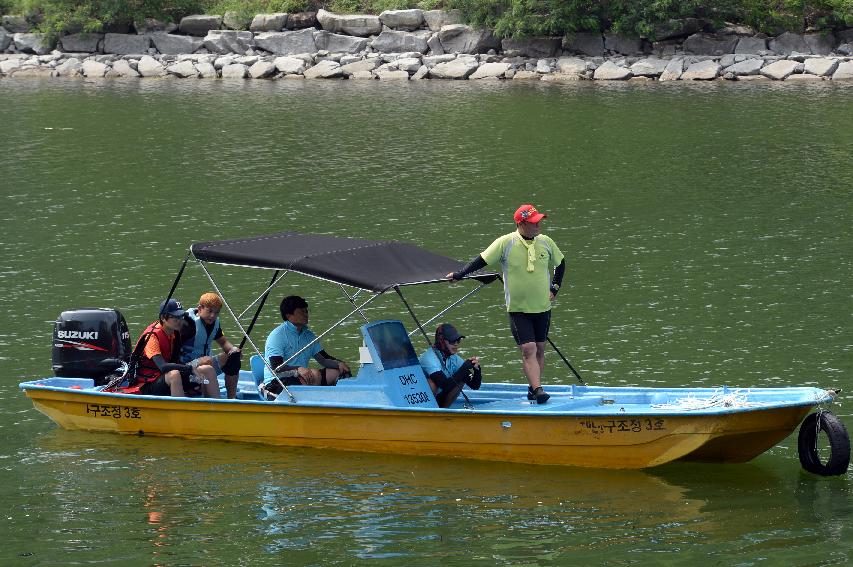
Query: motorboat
column 388, row 406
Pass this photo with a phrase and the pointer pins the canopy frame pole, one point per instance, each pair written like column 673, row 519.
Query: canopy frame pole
column 327, row 331
column 177, row 279
column 265, row 293
column 351, row 299
column 412, row 313
column 240, row 325
column 452, row 305
column 258, row 310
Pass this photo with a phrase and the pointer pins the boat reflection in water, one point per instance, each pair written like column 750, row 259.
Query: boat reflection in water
column 315, row 504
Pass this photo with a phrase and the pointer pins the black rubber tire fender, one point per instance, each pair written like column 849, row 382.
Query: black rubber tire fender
column 839, row 443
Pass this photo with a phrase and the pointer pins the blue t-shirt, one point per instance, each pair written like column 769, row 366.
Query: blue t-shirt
column 433, row 361
column 285, row 341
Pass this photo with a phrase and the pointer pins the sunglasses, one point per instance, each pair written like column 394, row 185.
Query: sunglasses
column 456, row 342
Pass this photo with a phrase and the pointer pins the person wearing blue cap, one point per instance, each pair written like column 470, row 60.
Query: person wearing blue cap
column 157, row 371
column 446, row 371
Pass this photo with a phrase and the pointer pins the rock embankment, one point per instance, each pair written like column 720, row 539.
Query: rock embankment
column 416, row 44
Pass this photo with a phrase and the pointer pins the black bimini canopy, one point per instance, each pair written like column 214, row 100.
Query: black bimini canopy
column 375, row 265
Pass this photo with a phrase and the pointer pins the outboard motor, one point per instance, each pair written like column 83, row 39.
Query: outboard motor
column 90, row 343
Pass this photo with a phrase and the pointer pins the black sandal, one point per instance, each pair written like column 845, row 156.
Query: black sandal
column 538, row 394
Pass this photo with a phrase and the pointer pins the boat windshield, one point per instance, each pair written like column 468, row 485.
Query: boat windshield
column 392, row 344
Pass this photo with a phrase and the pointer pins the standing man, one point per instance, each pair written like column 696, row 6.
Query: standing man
column 527, row 259
column 200, row 328
column 288, row 339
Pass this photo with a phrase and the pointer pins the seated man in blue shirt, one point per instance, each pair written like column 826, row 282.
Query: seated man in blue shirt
column 289, row 338
column 446, row 371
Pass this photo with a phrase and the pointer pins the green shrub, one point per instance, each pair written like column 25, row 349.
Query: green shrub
column 506, row 17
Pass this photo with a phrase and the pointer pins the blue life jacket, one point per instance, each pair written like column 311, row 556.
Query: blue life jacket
column 202, row 341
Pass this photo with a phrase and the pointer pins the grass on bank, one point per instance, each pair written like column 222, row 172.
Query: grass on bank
column 508, row 18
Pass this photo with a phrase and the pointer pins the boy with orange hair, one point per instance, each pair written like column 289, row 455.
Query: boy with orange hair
column 200, row 328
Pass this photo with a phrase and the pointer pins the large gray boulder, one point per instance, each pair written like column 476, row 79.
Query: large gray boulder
column 206, row 70
column 844, row 72
column 262, row 70
column 406, row 20
column 287, row 43
column 584, row 43
column 150, row 67
column 151, row 25
column 327, row 69
column 460, row 68
column 570, row 66
column 360, row 25
column 751, row 45
column 200, row 24
column 432, row 60
column 124, row 44
column 121, row 68
column 651, row 67
column 490, row 71
column 437, row 19
column 36, row 43
column 361, row 66
column 408, row 64
column 229, row 41
column 69, row 68
column 170, row 44
column 235, row 71
column 290, row 65
column 301, row 20
column 236, row 21
column 780, row 70
column 94, row 69
column 672, row 29
column 81, row 42
column 626, row 45
column 339, row 43
column 534, row 47
column 391, row 41
column 458, row 38
column 822, row 43
column 268, row 22
column 5, row 39
column 610, row 71
column 787, row 43
column 744, row 68
column 14, row 23
column 710, row 44
column 701, row 71
column 820, row 66
column 388, row 74
column 183, row 69
column 9, row 65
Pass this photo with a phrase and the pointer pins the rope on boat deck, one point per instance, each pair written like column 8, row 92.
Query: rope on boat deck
column 732, row 399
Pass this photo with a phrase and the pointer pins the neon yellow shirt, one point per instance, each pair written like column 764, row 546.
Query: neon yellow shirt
column 524, row 290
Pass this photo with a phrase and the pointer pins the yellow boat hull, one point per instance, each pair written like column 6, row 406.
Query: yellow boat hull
column 576, row 440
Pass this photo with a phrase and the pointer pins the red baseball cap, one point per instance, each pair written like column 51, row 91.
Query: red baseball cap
column 528, row 213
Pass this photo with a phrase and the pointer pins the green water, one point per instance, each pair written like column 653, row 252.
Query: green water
column 707, row 230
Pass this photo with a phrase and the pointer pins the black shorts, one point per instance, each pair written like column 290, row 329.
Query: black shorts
column 529, row 327
column 159, row 387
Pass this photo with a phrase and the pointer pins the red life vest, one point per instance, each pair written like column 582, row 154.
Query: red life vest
column 147, row 371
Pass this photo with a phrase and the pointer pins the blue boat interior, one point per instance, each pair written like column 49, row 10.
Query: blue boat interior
column 390, row 377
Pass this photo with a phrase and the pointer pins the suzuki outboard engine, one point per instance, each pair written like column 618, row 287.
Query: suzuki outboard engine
column 90, row 343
